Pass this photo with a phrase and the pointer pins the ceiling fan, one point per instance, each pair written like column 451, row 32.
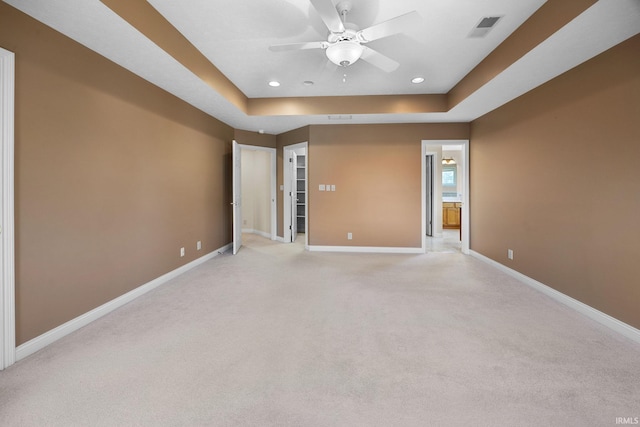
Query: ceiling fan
column 346, row 43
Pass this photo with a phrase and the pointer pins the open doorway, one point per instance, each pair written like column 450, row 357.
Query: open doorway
column 445, row 195
column 256, row 180
column 295, row 200
column 258, row 191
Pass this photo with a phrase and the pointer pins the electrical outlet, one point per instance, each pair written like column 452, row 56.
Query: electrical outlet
column 199, row 245
column 349, row 236
column 510, row 253
column 181, row 252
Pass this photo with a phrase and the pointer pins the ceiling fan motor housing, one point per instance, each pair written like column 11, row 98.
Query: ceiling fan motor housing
column 345, row 48
column 344, row 52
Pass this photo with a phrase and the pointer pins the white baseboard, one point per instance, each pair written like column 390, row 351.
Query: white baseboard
column 600, row 317
column 366, row 249
column 73, row 325
column 279, row 239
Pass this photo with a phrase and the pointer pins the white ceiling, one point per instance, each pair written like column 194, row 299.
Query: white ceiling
column 235, row 36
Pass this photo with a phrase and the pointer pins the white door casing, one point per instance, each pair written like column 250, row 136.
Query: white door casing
column 236, row 183
column 7, row 237
column 287, row 200
column 429, row 147
column 294, row 196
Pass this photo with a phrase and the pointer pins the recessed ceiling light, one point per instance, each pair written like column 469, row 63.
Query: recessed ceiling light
column 274, row 83
column 417, row 80
column 307, row 83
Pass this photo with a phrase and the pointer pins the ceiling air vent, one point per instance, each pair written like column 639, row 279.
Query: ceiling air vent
column 484, row 26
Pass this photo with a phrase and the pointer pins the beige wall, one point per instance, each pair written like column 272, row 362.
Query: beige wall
column 367, row 163
column 377, row 170
column 246, row 137
column 256, row 190
column 113, row 177
column 555, row 177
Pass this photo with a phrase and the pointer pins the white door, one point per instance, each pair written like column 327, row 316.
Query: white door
column 429, row 196
column 294, row 196
column 290, row 187
column 237, row 197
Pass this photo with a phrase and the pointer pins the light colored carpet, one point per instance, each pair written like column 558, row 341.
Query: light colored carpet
column 276, row 336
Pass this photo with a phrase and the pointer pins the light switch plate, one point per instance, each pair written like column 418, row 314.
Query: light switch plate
column 321, row 187
column 333, row 187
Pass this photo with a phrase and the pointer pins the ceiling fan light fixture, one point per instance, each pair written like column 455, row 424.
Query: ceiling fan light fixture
column 344, row 53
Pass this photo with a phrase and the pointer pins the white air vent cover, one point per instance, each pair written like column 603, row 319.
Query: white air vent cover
column 484, row 26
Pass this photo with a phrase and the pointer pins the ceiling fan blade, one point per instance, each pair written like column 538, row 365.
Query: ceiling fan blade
column 329, row 15
column 297, row 46
column 379, row 60
column 392, row 26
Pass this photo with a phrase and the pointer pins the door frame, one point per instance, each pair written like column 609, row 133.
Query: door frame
column 7, row 220
column 293, row 169
column 428, row 194
column 431, row 147
column 273, row 187
column 236, row 196
column 286, row 199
